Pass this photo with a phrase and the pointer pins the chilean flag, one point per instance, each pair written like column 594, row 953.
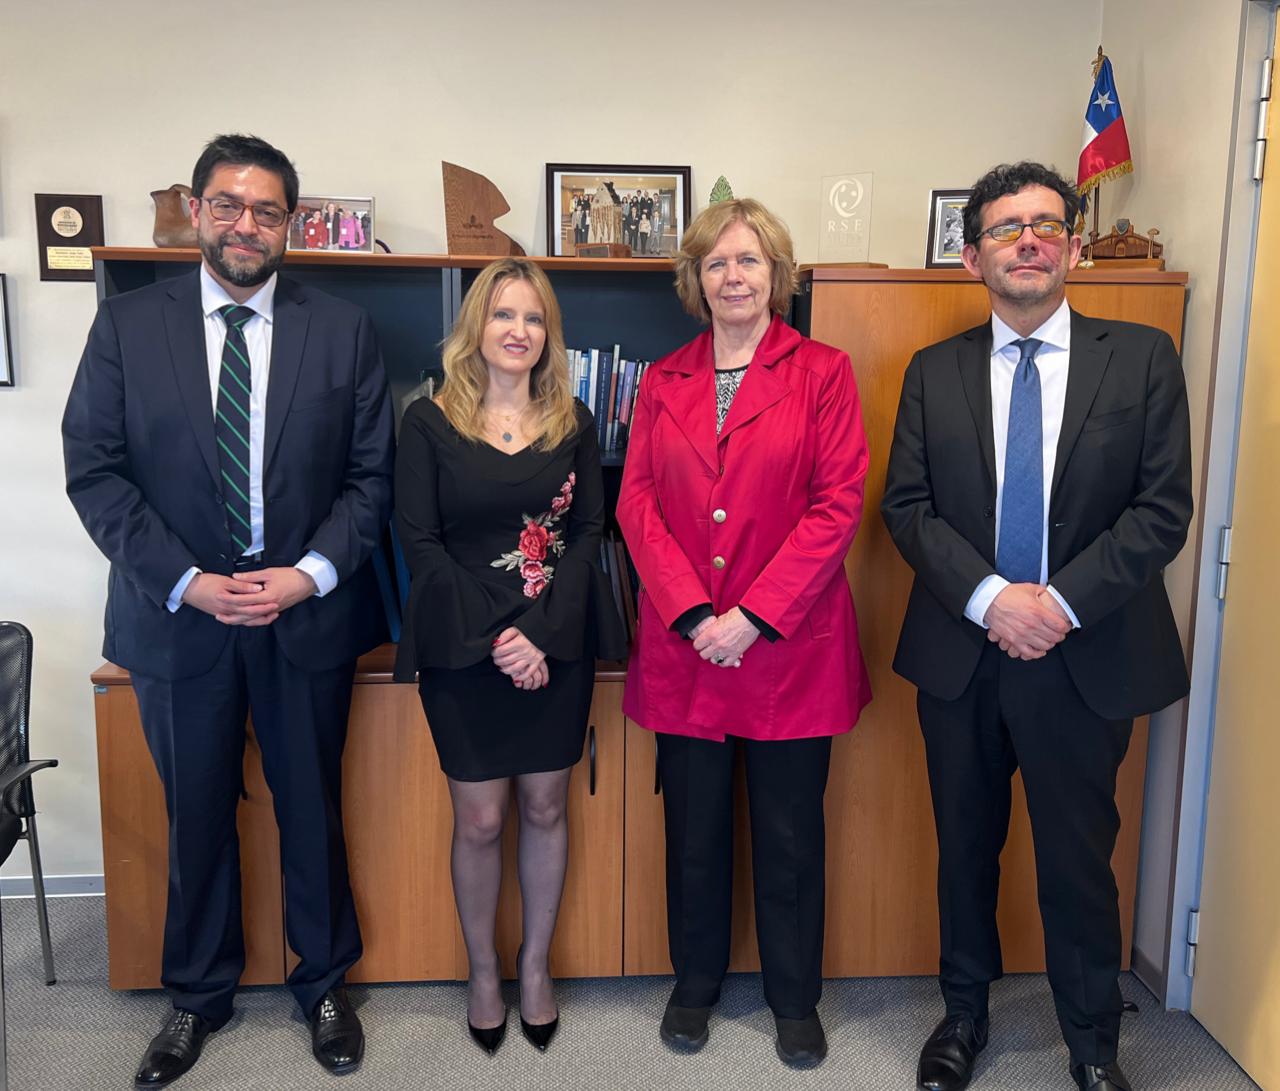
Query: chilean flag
column 1104, row 152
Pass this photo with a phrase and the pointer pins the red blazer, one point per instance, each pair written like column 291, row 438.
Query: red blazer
column 760, row 517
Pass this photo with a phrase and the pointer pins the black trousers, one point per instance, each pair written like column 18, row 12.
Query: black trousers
column 195, row 729
column 785, row 784
column 1028, row 715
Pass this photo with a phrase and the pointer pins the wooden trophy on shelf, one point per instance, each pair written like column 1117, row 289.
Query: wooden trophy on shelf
column 1122, row 247
column 173, row 217
column 471, row 204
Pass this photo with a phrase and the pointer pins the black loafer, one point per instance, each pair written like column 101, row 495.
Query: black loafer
column 801, row 1042
column 175, row 1049
column 947, row 1059
column 684, row 1029
column 1100, row 1077
column 337, row 1038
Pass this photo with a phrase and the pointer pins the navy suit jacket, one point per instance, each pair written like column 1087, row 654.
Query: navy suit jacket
column 142, row 472
column 1119, row 510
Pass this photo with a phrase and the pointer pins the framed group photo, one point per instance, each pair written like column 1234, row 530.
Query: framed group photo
column 601, row 210
column 334, row 224
column 946, row 228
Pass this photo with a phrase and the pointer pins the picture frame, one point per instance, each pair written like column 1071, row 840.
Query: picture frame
column 946, row 228
column 348, row 225
column 6, row 355
column 590, row 205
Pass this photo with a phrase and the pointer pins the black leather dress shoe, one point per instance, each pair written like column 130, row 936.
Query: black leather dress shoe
column 801, row 1042
column 946, row 1062
column 1099, row 1077
column 489, row 1038
column 337, row 1038
column 175, row 1049
column 684, row 1029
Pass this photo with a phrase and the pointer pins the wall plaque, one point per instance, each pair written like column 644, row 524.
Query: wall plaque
column 67, row 224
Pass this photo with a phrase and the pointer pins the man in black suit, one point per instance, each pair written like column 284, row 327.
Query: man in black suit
column 228, row 446
column 1039, row 483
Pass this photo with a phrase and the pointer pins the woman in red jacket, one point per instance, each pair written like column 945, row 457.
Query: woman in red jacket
column 741, row 495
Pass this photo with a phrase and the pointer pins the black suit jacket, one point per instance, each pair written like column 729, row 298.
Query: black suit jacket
column 1119, row 509
column 142, row 472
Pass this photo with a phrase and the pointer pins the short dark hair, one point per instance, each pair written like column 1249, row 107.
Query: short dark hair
column 239, row 150
column 1012, row 178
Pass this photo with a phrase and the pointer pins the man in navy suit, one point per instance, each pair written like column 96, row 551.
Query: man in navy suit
column 1039, row 483
column 228, row 445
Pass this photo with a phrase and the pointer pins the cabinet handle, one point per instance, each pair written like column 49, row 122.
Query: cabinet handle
column 591, row 753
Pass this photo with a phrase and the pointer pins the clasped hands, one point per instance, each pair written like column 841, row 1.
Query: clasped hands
column 725, row 639
column 249, row 598
column 1026, row 621
column 520, row 659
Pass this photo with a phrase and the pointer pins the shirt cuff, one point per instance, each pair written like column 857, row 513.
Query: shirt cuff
column 983, row 595
column 320, row 570
column 765, row 629
column 1075, row 621
column 691, row 619
column 174, row 601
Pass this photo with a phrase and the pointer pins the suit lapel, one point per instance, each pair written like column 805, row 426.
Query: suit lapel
column 974, row 360
column 184, row 328
column 1089, row 360
column 691, row 402
column 288, row 337
column 760, row 389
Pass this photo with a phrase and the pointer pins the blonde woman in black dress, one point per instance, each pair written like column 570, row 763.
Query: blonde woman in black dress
column 500, row 508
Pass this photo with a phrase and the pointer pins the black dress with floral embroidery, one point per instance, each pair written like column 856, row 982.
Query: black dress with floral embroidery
column 494, row 540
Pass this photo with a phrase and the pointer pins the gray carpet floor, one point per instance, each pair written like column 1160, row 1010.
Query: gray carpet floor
column 81, row 1036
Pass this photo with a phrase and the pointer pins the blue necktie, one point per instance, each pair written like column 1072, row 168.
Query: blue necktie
column 231, row 424
column 1021, row 545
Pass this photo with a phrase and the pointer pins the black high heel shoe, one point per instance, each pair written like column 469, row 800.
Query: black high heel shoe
column 489, row 1038
column 538, row 1034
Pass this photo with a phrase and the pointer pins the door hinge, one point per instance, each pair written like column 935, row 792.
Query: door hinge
column 1264, row 106
column 1224, row 562
column 1193, row 939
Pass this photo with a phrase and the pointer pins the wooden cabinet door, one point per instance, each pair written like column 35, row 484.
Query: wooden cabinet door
column 399, row 823
column 588, row 940
column 135, row 852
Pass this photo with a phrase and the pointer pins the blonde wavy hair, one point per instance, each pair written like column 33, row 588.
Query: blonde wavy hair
column 701, row 237
column 551, row 417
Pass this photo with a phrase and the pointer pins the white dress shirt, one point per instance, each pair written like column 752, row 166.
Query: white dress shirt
column 1052, row 361
column 257, row 336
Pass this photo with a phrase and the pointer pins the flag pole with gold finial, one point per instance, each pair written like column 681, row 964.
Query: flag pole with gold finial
column 1097, row 190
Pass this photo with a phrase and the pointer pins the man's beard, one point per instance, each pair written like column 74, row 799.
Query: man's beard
column 241, row 276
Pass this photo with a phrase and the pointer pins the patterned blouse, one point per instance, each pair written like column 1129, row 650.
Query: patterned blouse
column 727, row 383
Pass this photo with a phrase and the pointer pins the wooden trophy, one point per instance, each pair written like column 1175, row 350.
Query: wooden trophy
column 471, row 204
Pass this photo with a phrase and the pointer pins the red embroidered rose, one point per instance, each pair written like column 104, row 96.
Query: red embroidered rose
column 533, row 541
column 533, row 587
column 532, row 570
column 558, row 504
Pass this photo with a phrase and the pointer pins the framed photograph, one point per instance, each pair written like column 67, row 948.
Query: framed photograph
column 6, row 358
column 342, row 225
column 598, row 206
column 946, row 228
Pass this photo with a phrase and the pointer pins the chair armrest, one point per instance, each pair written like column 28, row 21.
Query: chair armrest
column 18, row 773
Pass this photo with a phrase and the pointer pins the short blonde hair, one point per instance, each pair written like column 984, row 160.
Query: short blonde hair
column 552, row 414
column 705, row 231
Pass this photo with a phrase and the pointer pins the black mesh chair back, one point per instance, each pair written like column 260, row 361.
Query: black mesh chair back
column 15, row 711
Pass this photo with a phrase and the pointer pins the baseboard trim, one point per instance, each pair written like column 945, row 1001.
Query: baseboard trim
column 55, row 886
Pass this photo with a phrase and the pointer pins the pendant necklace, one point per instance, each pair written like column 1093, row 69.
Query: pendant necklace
column 507, row 418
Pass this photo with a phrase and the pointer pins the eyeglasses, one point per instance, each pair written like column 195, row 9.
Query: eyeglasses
column 1041, row 229
column 227, row 210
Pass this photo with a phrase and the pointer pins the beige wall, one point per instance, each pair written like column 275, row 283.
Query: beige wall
column 774, row 97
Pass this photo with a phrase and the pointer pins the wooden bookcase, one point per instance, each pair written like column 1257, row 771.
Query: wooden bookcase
column 882, row 912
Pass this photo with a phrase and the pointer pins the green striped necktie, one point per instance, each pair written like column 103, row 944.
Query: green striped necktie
column 231, row 424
